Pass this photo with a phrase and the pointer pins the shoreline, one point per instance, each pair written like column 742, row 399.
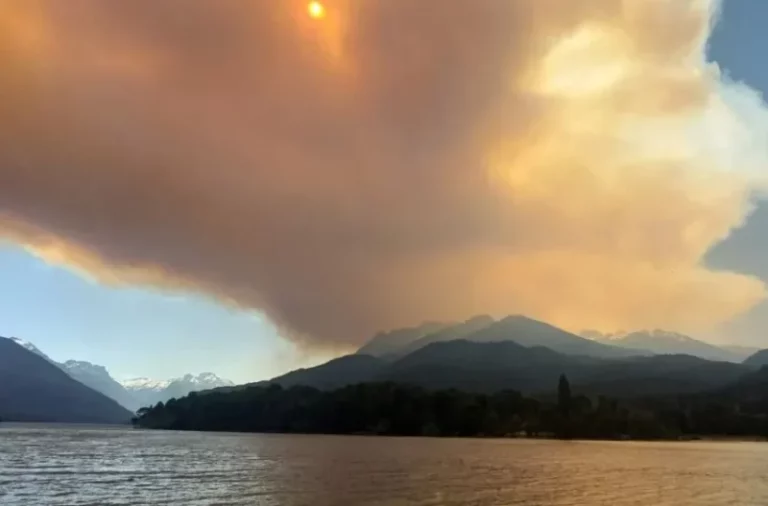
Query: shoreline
column 9, row 424
column 680, row 439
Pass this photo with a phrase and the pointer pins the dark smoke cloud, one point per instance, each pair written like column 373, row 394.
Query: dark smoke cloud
column 394, row 162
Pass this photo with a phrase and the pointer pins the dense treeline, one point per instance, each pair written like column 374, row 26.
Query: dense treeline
column 394, row 409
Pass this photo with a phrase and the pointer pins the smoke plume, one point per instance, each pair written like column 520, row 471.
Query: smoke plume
column 391, row 162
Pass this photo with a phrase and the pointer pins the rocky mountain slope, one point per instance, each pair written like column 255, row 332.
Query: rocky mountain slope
column 33, row 388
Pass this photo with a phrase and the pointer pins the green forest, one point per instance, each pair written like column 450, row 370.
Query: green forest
column 404, row 410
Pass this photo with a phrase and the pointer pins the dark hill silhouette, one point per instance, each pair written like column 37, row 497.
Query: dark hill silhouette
column 759, row 359
column 751, row 391
column 494, row 366
column 484, row 367
column 34, row 389
column 393, row 408
column 660, row 375
column 500, row 365
column 337, row 373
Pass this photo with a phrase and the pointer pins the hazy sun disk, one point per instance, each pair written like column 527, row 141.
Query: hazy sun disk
column 316, row 10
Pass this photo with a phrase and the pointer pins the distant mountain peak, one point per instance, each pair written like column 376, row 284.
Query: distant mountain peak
column 35, row 388
column 150, row 391
column 665, row 342
column 131, row 393
column 144, row 383
column 517, row 318
column 386, row 343
column 97, row 377
column 666, row 334
column 596, row 335
column 480, row 319
column 208, row 379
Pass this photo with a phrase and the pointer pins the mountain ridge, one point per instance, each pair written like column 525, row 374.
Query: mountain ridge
column 757, row 360
column 386, row 343
column 662, row 342
column 150, row 391
column 98, row 377
column 500, row 365
column 34, row 389
column 483, row 328
column 130, row 394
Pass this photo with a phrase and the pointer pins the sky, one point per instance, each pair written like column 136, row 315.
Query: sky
column 249, row 192
column 136, row 332
column 734, row 45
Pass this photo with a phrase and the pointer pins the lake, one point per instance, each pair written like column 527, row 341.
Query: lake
column 44, row 465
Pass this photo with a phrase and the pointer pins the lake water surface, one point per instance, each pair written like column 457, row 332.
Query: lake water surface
column 72, row 466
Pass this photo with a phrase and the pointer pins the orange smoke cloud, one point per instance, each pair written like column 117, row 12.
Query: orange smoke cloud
column 386, row 163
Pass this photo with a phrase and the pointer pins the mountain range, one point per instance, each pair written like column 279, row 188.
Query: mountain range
column 34, row 389
column 516, row 352
column 98, row 378
column 131, row 394
column 483, row 329
column 148, row 392
column 488, row 367
column 481, row 354
column 529, row 332
column 661, row 342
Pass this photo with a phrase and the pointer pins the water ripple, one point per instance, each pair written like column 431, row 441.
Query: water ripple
column 60, row 466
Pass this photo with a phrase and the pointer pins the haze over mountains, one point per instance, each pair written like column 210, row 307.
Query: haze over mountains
column 98, row 378
column 34, row 389
column 481, row 354
column 529, row 332
column 520, row 353
column 147, row 391
column 131, row 394
column 759, row 359
column 663, row 342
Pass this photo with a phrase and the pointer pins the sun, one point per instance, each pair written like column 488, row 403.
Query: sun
column 316, row 10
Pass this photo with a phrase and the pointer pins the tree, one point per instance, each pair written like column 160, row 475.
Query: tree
column 564, row 396
column 396, row 409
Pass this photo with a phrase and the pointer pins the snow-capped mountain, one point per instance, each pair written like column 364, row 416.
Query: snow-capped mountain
column 209, row 379
column 145, row 384
column 151, row 391
column 90, row 375
column 34, row 388
column 133, row 393
column 180, row 387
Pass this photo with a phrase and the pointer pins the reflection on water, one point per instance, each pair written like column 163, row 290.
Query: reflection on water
column 88, row 466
